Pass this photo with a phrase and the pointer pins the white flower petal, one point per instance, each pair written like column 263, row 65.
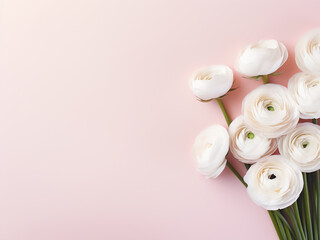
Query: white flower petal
column 270, row 111
column 274, row 183
column 304, row 89
column 302, row 146
column 246, row 149
column 211, row 147
column 307, row 52
column 211, row 82
column 261, row 58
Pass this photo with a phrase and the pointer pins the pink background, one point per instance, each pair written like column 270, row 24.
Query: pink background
column 97, row 120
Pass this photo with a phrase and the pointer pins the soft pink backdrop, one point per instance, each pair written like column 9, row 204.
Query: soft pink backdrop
column 97, row 120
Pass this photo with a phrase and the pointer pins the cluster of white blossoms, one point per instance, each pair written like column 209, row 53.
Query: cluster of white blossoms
column 269, row 120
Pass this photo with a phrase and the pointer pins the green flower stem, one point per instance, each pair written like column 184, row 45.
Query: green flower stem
column 228, row 120
column 313, row 202
column 288, row 234
column 288, row 228
column 298, row 219
column 281, row 228
column 223, row 110
column 274, row 221
column 236, row 173
column 265, row 79
column 294, row 223
column 318, row 200
column 307, row 206
column 303, row 214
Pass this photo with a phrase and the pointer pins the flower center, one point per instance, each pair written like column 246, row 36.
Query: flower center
column 312, row 84
column 250, row 135
column 272, row 176
column 209, row 145
column 270, row 108
column 305, row 144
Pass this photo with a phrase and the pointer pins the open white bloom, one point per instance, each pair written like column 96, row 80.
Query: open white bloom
column 261, row 58
column 305, row 91
column 246, row 145
column 302, row 146
column 308, row 52
column 274, row 183
column 211, row 147
column 211, row 82
column 269, row 110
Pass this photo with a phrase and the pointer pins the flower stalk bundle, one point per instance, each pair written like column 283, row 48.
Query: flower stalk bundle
column 286, row 184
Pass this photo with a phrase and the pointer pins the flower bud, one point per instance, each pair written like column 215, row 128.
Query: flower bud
column 307, row 52
column 304, row 89
column 261, row 58
column 210, row 148
column 211, row 82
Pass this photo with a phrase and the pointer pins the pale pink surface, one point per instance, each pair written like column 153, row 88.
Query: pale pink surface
column 97, row 121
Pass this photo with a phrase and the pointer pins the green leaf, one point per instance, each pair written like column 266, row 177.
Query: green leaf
column 276, row 74
column 232, row 89
column 253, row 77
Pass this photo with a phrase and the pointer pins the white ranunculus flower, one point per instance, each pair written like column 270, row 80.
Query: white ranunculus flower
column 211, row 82
column 261, row 58
column 302, row 146
column 269, row 110
column 308, row 52
column 248, row 146
column 274, row 183
column 305, row 91
column 211, row 147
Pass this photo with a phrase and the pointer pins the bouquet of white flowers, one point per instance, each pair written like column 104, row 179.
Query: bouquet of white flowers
column 287, row 185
